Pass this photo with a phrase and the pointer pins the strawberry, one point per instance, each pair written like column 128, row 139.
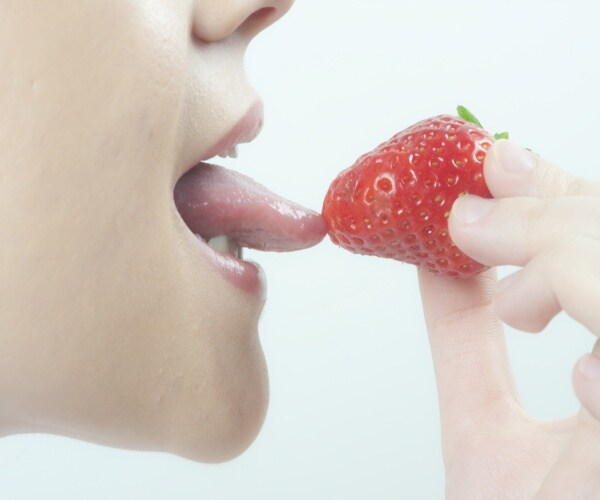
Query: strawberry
column 394, row 202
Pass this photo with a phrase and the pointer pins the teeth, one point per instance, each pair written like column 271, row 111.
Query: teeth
column 232, row 152
column 219, row 244
column 223, row 244
column 236, row 250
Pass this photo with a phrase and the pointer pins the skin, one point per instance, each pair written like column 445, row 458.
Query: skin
column 544, row 220
column 113, row 327
column 115, row 330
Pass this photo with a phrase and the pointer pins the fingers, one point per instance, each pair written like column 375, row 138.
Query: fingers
column 566, row 276
column 514, row 230
column 513, row 171
column 557, row 240
column 586, row 381
column 473, row 374
column 575, row 474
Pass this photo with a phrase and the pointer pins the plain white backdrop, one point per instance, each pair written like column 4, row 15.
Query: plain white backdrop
column 353, row 413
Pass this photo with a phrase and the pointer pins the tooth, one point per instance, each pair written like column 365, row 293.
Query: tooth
column 223, row 155
column 219, row 244
column 235, row 249
column 223, row 244
column 233, row 152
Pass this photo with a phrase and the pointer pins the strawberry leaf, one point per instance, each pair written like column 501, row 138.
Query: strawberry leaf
column 467, row 116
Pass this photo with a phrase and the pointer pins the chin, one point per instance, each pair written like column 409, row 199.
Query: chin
column 226, row 421
column 230, row 437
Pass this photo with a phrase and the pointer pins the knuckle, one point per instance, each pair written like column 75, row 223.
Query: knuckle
column 555, row 182
column 579, row 186
column 571, row 243
column 558, row 255
column 559, row 226
column 560, row 261
column 549, row 180
column 535, row 222
column 559, row 183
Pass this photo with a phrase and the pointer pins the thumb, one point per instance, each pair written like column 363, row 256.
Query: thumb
column 513, row 171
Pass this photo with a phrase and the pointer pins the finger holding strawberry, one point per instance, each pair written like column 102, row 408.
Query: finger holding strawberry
column 544, row 220
column 454, row 200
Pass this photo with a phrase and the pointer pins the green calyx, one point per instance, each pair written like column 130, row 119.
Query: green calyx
column 467, row 116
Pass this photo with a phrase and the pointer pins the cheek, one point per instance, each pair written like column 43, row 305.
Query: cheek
column 88, row 148
column 124, row 331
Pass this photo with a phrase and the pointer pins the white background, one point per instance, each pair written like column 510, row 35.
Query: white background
column 353, row 411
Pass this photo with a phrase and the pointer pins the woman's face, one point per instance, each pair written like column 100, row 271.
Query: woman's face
column 117, row 324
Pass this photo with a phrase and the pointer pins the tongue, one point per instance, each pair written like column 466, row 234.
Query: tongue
column 214, row 201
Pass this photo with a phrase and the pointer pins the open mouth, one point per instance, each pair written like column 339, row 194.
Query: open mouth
column 228, row 211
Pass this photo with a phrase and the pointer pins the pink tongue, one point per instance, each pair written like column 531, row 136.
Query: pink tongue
column 214, row 201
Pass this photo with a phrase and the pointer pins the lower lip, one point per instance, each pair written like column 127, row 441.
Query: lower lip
column 245, row 275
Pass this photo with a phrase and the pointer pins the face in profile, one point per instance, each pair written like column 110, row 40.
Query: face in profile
column 128, row 316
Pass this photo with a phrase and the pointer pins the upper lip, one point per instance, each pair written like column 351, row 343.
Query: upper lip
column 246, row 130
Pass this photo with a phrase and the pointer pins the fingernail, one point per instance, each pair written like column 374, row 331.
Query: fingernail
column 471, row 209
column 513, row 158
column 589, row 366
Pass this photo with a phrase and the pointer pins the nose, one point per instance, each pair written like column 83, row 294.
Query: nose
column 215, row 20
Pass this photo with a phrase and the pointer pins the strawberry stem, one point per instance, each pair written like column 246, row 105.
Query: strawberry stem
column 469, row 117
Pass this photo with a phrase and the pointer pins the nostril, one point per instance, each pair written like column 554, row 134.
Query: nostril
column 211, row 26
column 216, row 21
column 259, row 20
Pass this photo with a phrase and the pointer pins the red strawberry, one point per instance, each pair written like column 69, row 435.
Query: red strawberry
column 394, row 201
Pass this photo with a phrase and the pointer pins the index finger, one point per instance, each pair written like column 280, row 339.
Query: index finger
column 473, row 373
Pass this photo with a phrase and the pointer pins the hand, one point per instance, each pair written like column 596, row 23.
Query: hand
column 543, row 220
